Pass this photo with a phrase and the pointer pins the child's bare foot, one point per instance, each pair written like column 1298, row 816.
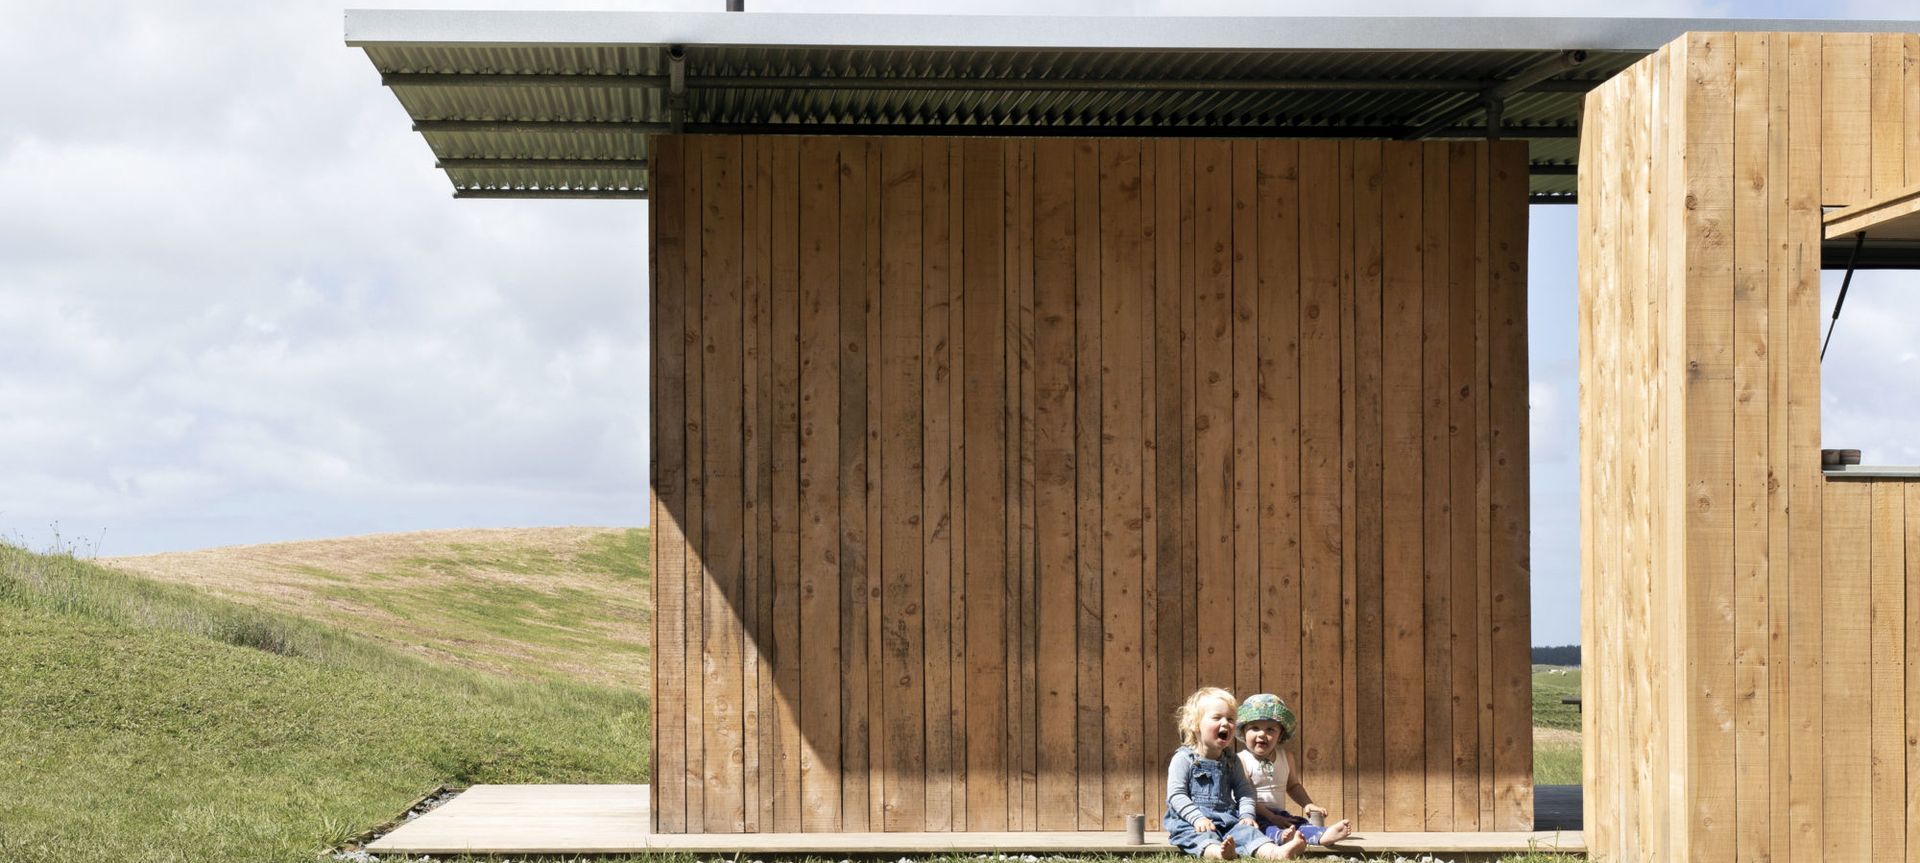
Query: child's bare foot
column 1292, row 848
column 1339, row 830
column 1222, row 851
column 1269, row 851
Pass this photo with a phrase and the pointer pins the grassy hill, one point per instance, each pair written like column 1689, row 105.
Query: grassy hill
column 265, row 702
column 564, row 603
column 153, row 722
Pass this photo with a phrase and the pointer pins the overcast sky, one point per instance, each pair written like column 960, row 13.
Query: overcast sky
column 238, row 305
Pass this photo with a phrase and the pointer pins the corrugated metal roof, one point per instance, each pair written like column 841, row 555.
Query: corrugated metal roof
column 593, row 86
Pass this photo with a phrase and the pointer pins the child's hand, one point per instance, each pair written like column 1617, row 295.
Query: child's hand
column 1314, row 807
column 1249, row 822
column 1204, row 825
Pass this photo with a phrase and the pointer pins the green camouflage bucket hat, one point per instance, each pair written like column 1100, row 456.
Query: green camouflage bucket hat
column 1269, row 707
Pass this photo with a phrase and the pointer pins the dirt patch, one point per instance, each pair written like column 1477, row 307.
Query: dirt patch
column 1555, row 736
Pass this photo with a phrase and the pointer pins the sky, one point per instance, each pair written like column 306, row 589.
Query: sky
column 239, row 305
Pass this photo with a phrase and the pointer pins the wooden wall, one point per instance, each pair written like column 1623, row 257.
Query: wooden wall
column 1870, row 637
column 973, row 457
column 1726, row 669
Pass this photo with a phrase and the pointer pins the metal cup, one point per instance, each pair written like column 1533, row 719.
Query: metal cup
column 1317, row 819
column 1136, row 829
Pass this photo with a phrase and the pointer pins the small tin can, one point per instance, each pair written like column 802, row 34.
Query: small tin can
column 1136, row 829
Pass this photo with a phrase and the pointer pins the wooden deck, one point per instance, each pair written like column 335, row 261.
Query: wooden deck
column 585, row 819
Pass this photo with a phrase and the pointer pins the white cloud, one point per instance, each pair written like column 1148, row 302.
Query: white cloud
column 237, row 302
column 1870, row 380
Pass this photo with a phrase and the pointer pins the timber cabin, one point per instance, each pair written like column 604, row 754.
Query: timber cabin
column 1007, row 372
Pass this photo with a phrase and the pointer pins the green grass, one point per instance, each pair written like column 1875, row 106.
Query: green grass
column 153, row 722
column 1556, row 761
column 149, row 722
column 1548, row 689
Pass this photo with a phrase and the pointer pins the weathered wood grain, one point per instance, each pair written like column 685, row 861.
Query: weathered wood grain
column 1319, row 708
column 1887, row 631
column 1369, row 684
column 1089, row 724
column 698, row 577
column 783, row 355
column 1436, row 404
column 1122, row 303
column 1402, row 305
column 1509, row 560
column 1846, row 115
column 819, row 335
column 986, row 495
column 1464, row 568
column 667, row 413
column 1054, row 476
column 902, row 478
column 973, row 440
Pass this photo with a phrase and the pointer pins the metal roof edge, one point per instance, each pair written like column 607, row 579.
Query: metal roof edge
column 366, row 27
column 1870, row 471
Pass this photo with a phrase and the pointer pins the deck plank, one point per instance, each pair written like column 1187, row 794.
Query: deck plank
column 601, row 819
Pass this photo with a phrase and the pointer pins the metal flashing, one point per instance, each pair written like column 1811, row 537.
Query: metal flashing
column 566, row 101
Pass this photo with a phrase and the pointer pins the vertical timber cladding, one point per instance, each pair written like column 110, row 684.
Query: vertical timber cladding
column 972, row 457
column 1745, row 683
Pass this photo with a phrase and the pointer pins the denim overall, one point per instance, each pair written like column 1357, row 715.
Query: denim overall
column 1210, row 784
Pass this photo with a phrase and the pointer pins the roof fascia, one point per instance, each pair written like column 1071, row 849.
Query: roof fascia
column 370, row 27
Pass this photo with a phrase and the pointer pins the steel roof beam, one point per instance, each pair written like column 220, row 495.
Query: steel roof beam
column 517, row 162
column 629, row 126
column 1036, row 85
column 979, row 129
column 1499, row 92
column 677, row 87
column 618, row 194
column 1121, row 85
column 507, row 79
column 1011, row 130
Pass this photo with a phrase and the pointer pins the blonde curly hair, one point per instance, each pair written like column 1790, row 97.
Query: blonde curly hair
column 1188, row 716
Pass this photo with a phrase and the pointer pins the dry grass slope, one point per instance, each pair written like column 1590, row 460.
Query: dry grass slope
column 565, row 603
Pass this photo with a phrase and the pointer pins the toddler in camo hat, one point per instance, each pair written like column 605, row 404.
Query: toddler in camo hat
column 1266, row 724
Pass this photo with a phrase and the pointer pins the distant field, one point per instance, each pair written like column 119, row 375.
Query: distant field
column 565, row 603
column 1556, row 726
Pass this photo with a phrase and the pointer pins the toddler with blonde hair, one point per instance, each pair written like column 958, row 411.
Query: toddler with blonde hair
column 1210, row 804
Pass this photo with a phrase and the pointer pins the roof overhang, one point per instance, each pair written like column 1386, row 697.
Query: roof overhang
column 562, row 104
